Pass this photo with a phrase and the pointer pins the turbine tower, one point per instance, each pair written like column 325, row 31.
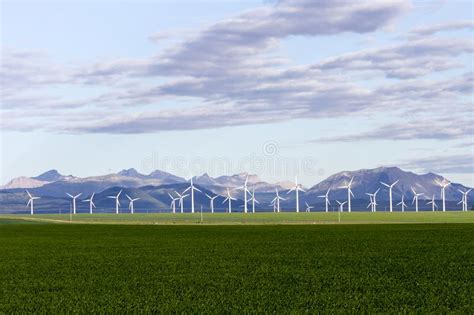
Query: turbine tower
column 464, row 198
column 415, row 198
column 432, row 203
column 211, row 200
column 91, row 202
column 297, row 189
column 349, row 194
column 276, row 201
column 117, row 202
column 30, row 202
column 130, row 205
column 192, row 188
column 390, row 187
column 181, row 200
column 402, row 203
column 253, row 200
column 229, row 199
column 74, row 201
column 308, row 207
column 443, row 185
column 246, row 190
column 173, row 202
column 326, row 199
column 341, row 205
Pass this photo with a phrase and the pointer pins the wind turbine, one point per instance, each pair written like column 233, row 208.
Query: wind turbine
column 173, row 202
column 326, row 199
column 277, row 199
column 390, row 187
column 373, row 200
column 181, row 200
column 91, row 202
column 341, row 205
column 253, row 200
column 464, row 198
column 229, row 199
column 273, row 203
column 30, row 202
column 73, row 201
column 371, row 203
column 130, row 206
column 432, row 203
column 297, row 189
column 415, row 198
column 246, row 190
column 211, row 200
column 402, row 203
column 443, row 192
column 308, row 207
column 192, row 188
column 117, row 202
column 349, row 193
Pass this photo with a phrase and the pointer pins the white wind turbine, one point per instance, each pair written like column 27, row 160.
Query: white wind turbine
column 415, row 198
column 296, row 189
column 402, row 203
column 276, row 200
column 373, row 200
column 443, row 185
column 192, row 188
column 464, row 199
column 246, row 190
column 181, row 200
column 308, row 207
column 273, row 203
column 432, row 203
column 229, row 199
column 91, row 202
column 341, row 205
column 373, row 204
column 130, row 205
column 117, row 202
column 30, row 202
column 211, row 200
column 326, row 199
column 74, row 201
column 349, row 194
column 253, row 200
column 390, row 187
column 173, row 202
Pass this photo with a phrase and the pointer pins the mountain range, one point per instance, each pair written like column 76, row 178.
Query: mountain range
column 153, row 190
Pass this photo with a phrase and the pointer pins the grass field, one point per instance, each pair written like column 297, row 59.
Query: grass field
column 94, row 268
column 257, row 218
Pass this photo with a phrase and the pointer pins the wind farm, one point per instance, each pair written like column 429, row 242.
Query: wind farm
column 241, row 195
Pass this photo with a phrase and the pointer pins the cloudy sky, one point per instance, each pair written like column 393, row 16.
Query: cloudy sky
column 270, row 87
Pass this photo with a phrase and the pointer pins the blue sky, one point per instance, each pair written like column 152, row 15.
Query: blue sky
column 274, row 88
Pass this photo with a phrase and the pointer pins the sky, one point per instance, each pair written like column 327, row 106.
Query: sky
column 276, row 88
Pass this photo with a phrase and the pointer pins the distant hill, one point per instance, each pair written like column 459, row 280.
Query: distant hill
column 153, row 190
column 368, row 180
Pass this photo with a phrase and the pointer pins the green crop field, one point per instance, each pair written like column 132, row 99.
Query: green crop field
column 97, row 268
column 257, row 218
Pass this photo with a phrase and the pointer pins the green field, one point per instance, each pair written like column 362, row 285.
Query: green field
column 96, row 268
column 257, row 218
